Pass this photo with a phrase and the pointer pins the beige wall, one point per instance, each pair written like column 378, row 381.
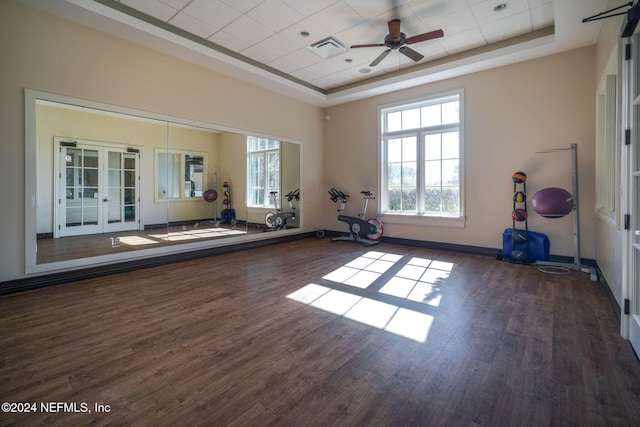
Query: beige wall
column 46, row 53
column 609, row 235
column 511, row 112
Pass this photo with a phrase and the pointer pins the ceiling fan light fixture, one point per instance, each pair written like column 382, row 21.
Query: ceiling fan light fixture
column 500, row 7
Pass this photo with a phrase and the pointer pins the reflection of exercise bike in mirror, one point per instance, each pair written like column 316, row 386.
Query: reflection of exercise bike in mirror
column 359, row 228
column 278, row 220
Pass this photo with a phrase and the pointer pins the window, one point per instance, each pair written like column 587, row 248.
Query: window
column 421, row 162
column 606, row 142
column 180, row 174
column 263, row 166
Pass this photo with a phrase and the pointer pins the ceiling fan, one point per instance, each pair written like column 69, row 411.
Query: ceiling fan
column 397, row 40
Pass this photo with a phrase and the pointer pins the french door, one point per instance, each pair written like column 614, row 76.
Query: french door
column 97, row 188
column 632, row 222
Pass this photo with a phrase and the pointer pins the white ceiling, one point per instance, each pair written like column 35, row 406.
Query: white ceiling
column 260, row 40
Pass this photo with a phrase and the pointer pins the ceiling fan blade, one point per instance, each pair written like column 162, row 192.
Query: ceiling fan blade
column 380, row 58
column 394, row 29
column 424, row 37
column 407, row 51
column 368, row 45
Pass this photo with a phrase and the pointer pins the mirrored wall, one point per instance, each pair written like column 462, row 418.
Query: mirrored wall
column 106, row 184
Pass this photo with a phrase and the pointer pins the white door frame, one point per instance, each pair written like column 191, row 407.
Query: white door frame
column 630, row 327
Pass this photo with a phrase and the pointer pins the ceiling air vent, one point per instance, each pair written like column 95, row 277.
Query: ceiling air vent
column 327, row 47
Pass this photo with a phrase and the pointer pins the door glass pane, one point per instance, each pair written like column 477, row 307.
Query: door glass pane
column 90, row 177
column 130, row 213
column 90, row 213
column 73, row 156
column 115, row 160
column 114, row 192
column 130, row 161
column 129, row 178
column 115, row 196
column 114, row 178
column 90, row 159
column 114, row 214
column 73, row 216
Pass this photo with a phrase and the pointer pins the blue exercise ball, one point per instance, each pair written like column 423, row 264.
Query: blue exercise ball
column 552, row 202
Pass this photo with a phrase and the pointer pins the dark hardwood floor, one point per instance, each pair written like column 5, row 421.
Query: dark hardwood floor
column 317, row 333
column 91, row 245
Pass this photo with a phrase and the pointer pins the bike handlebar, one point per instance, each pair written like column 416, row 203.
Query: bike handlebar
column 295, row 194
column 337, row 194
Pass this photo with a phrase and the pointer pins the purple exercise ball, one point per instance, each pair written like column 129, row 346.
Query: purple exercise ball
column 552, row 202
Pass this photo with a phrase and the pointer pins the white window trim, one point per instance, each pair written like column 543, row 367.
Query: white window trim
column 607, row 144
column 421, row 219
column 182, row 153
column 413, row 218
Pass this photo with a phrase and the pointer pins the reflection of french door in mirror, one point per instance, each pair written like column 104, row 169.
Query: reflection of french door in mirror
column 97, row 188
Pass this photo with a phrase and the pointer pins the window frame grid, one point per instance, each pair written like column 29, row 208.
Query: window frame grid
column 264, row 153
column 420, row 213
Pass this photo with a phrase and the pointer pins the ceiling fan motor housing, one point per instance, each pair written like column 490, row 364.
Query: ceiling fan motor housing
column 395, row 44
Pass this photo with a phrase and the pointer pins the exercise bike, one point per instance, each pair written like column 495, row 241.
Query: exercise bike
column 368, row 232
column 278, row 220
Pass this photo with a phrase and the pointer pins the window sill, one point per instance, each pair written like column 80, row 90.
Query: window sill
column 412, row 219
column 260, row 209
column 606, row 216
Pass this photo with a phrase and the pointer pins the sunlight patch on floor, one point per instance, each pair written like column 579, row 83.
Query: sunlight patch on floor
column 419, row 280
column 389, row 317
column 205, row 233
column 364, row 270
column 336, row 302
column 137, row 241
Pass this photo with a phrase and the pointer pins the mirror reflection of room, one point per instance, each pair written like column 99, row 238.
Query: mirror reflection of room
column 110, row 182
